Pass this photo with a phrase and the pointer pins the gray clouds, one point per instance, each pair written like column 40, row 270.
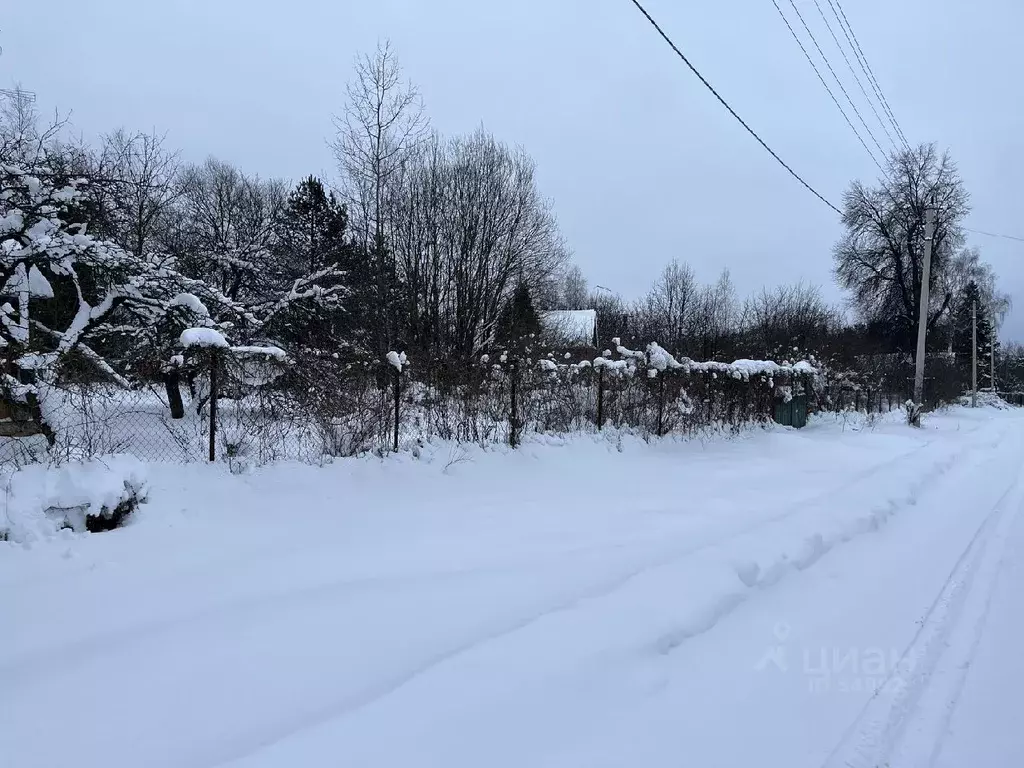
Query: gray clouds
column 641, row 162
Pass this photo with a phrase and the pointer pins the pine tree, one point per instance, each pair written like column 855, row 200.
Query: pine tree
column 311, row 237
column 962, row 331
column 311, row 233
column 518, row 321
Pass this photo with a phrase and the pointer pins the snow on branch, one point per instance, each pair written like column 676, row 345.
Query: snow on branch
column 304, row 289
column 190, row 301
column 265, row 351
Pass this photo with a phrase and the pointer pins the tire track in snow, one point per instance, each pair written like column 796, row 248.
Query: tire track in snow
column 701, row 623
column 53, row 660
column 904, row 721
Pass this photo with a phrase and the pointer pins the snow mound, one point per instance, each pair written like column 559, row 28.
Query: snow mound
column 987, row 400
column 45, row 499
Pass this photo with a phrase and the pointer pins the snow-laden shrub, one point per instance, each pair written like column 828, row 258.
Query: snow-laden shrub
column 92, row 496
column 347, row 436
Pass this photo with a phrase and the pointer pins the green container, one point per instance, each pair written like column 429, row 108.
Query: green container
column 793, row 413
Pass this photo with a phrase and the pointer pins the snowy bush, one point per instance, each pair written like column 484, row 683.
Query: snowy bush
column 93, row 496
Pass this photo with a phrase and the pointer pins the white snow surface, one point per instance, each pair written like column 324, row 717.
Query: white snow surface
column 203, row 337
column 596, row 601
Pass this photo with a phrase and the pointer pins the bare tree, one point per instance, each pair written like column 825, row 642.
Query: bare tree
column 469, row 225
column 715, row 317
column 574, row 289
column 789, row 315
column 139, row 179
column 383, row 121
column 382, row 125
column 664, row 315
column 226, row 228
column 879, row 258
column 22, row 141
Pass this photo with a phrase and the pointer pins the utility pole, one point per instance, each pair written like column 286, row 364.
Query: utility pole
column 922, row 323
column 974, row 354
column 992, row 351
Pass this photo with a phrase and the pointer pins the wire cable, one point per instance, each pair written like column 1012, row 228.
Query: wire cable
column 732, row 112
column 826, row 87
column 834, row 75
column 856, row 77
column 994, row 234
column 862, row 59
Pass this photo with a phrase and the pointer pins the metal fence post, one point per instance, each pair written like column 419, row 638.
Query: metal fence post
column 661, row 402
column 514, row 413
column 600, row 397
column 213, row 404
column 398, row 400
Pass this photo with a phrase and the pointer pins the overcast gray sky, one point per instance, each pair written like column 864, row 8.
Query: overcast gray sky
column 642, row 164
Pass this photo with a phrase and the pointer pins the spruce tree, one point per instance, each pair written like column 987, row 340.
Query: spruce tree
column 962, row 332
column 311, row 236
column 518, row 321
column 311, row 233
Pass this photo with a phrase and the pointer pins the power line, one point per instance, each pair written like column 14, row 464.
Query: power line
column 868, row 99
column 994, row 234
column 17, row 93
column 732, row 112
column 826, row 87
column 862, row 59
column 834, row 75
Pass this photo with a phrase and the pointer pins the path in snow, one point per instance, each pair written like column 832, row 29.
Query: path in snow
column 567, row 606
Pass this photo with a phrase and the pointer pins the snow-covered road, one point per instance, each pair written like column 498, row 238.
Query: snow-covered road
column 837, row 596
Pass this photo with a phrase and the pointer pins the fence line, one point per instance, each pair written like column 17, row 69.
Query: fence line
column 316, row 407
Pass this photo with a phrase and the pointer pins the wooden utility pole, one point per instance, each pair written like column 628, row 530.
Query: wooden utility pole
column 992, row 353
column 922, row 323
column 974, row 354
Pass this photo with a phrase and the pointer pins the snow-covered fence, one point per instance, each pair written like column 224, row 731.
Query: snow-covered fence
column 313, row 405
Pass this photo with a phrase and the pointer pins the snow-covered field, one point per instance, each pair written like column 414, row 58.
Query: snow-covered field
column 843, row 595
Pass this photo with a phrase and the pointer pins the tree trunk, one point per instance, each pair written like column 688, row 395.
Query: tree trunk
column 172, row 383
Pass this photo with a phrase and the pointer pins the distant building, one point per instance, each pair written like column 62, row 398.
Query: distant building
column 569, row 328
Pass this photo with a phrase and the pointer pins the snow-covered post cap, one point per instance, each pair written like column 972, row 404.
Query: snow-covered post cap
column 397, row 360
column 203, row 337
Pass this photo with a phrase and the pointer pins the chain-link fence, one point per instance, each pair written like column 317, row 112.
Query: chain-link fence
column 255, row 410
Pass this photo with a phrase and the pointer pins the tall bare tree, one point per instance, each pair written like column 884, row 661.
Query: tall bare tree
column 139, row 177
column 226, row 228
column 382, row 124
column 664, row 315
column 574, row 289
column 383, row 121
column 879, row 258
column 469, row 225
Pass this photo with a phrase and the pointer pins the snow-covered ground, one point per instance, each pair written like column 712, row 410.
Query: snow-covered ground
column 843, row 595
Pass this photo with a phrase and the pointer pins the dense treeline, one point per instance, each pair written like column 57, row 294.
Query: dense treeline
column 443, row 247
